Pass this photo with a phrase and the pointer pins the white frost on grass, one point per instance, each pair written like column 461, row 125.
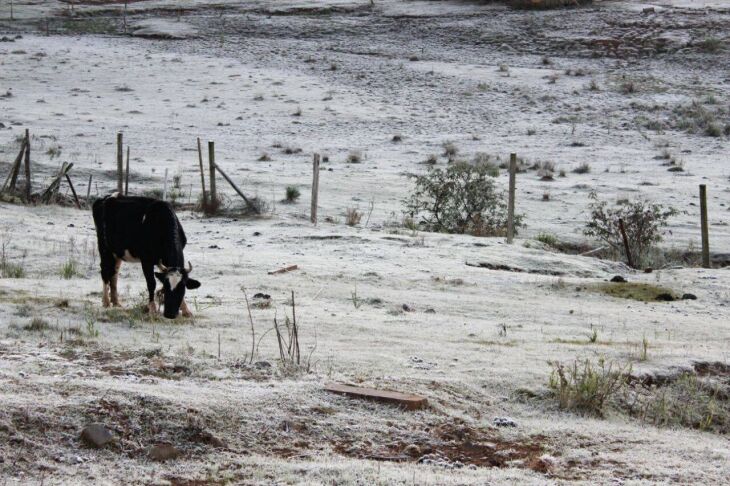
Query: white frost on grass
column 163, row 29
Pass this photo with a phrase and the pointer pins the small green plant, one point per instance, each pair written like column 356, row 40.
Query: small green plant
column 547, row 239
column 587, row 387
column 583, row 168
column 37, row 324
column 593, row 338
column 69, row 269
column 292, row 194
column 710, row 45
column 54, row 152
column 9, row 269
column 356, row 301
column 644, row 349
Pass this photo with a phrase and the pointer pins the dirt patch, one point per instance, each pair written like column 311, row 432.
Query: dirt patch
column 507, row 268
column 455, row 445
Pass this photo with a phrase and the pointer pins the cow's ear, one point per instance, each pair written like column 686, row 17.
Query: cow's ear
column 160, row 276
column 192, row 284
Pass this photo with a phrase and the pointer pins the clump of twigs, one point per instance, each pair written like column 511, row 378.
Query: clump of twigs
column 287, row 337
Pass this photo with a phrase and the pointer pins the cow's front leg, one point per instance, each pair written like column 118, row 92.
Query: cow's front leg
column 113, row 284
column 185, row 310
column 149, row 274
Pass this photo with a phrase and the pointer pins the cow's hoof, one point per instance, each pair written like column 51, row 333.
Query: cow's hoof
column 186, row 314
column 106, row 304
column 116, row 304
column 152, row 309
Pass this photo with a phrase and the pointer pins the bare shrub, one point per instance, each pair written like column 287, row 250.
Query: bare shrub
column 644, row 223
column 460, row 199
column 450, row 150
column 354, row 157
column 352, row 217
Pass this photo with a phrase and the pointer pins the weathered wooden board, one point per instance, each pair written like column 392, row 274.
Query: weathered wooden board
column 406, row 400
column 284, row 270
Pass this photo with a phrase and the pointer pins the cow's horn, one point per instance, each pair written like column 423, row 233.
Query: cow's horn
column 162, row 267
column 190, row 267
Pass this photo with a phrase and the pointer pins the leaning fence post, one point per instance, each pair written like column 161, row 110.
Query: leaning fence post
column 120, row 164
column 315, row 188
column 705, row 228
column 211, row 167
column 511, row 200
column 27, row 164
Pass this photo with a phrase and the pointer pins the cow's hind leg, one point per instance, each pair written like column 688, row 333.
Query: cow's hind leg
column 113, row 283
column 108, row 269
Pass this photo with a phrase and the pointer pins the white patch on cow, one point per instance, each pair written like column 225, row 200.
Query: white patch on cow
column 115, row 194
column 128, row 257
column 174, row 277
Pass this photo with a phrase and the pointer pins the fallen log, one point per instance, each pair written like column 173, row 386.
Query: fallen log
column 405, row 400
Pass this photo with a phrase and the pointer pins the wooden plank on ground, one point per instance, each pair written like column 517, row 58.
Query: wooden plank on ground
column 406, row 400
column 284, row 270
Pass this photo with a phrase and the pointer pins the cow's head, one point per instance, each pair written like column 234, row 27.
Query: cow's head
column 174, row 282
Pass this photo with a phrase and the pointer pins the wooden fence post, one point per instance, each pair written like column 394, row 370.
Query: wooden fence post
column 126, row 175
column 211, row 167
column 88, row 189
column 120, row 164
column 511, row 200
column 625, row 239
column 705, row 227
column 315, row 188
column 202, row 176
column 164, row 188
column 27, row 165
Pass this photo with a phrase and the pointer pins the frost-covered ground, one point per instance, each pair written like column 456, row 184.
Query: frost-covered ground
column 377, row 304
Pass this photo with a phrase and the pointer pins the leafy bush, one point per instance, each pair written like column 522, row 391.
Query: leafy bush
column 460, row 199
column 644, row 223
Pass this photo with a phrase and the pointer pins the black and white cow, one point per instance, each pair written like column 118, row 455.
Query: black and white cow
column 145, row 230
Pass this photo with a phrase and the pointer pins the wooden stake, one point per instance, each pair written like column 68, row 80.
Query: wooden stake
column 126, row 176
column 73, row 191
column 164, row 188
column 627, row 249
column 202, row 176
column 14, row 169
column 120, row 164
column 27, row 165
column 511, row 200
column 705, row 227
column 315, row 188
column 211, row 167
column 88, row 190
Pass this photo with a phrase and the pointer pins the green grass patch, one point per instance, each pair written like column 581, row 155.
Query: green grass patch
column 642, row 292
